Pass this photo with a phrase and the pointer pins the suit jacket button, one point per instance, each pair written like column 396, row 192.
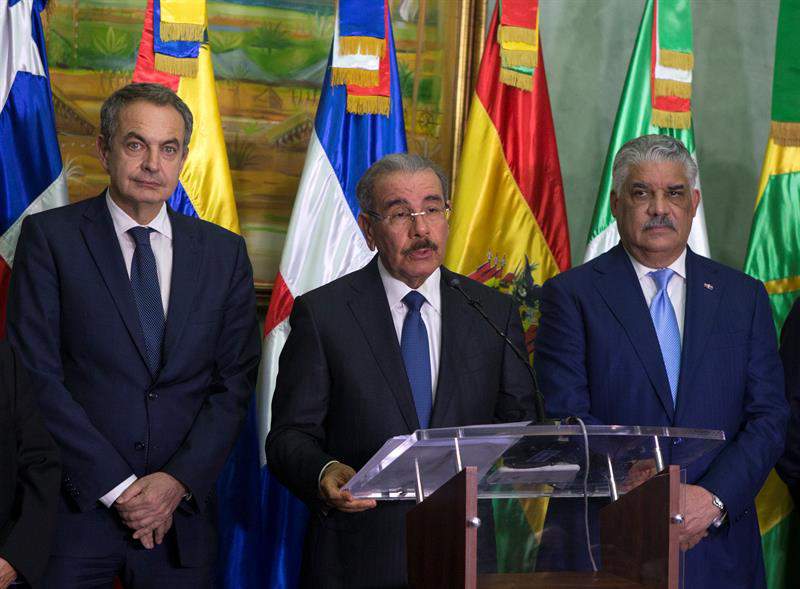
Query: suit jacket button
column 139, row 445
column 152, row 396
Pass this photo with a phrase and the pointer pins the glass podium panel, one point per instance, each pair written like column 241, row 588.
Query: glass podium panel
column 526, row 461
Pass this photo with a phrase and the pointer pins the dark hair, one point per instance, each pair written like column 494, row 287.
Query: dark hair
column 389, row 164
column 153, row 93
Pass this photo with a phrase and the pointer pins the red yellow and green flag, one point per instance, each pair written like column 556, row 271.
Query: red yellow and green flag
column 509, row 223
column 656, row 98
column 773, row 256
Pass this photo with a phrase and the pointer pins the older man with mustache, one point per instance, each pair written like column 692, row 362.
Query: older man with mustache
column 650, row 333
column 384, row 351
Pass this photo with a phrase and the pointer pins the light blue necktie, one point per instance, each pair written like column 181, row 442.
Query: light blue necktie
column 416, row 357
column 666, row 324
column 147, row 294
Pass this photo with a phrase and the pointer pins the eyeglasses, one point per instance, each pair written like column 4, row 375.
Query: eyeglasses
column 405, row 217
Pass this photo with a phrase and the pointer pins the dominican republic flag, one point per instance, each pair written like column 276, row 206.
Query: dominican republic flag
column 323, row 243
column 31, row 174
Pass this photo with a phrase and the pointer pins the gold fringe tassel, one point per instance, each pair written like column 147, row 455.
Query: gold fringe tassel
column 676, row 59
column 672, row 120
column 512, row 57
column 787, row 134
column 368, row 105
column 176, row 65
column 362, row 45
column 516, row 79
column 359, row 77
column 673, row 88
column 181, row 32
column 506, row 34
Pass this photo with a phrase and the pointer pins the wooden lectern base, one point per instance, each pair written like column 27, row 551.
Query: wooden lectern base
column 638, row 542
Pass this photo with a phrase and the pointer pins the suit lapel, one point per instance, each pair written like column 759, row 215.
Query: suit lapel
column 703, row 293
column 186, row 264
column 98, row 232
column 456, row 317
column 616, row 281
column 371, row 311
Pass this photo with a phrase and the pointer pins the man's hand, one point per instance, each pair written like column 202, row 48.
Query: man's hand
column 640, row 472
column 7, row 573
column 330, row 488
column 150, row 501
column 699, row 512
column 150, row 537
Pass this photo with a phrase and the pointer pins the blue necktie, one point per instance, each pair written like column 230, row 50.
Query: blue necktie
column 666, row 324
column 147, row 294
column 416, row 356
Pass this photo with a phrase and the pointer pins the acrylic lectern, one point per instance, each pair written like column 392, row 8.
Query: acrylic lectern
column 447, row 471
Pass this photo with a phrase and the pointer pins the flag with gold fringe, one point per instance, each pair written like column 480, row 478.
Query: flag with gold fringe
column 656, row 98
column 356, row 62
column 173, row 57
column 183, row 20
column 518, row 35
column 509, row 222
column 773, row 256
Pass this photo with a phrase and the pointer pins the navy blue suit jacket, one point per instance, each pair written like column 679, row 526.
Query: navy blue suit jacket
column 597, row 357
column 74, row 320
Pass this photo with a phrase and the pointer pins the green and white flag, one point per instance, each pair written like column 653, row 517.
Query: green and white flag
column 656, row 98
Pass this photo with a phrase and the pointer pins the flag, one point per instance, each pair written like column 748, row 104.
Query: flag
column 656, row 98
column 323, row 242
column 773, row 256
column 32, row 177
column 509, row 228
column 205, row 191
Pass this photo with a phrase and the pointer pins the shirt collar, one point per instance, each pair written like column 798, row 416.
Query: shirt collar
column 123, row 222
column 397, row 289
column 678, row 266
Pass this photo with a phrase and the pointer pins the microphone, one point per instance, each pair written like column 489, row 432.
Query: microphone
column 455, row 283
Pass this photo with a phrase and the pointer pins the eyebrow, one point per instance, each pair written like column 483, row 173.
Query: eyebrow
column 676, row 187
column 134, row 135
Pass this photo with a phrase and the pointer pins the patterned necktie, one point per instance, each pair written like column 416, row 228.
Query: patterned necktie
column 147, row 294
column 416, row 356
column 666, row 324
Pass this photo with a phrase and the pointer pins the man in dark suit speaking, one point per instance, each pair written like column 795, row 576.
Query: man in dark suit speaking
column 139, row 329
column 384, row 351
column 652, row 334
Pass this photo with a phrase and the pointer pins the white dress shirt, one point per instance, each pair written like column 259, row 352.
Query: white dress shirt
column 431, row 312
column 161, row 244
column 676, row 289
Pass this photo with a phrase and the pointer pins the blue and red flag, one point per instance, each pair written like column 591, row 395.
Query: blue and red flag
column 323, row 242
column 32, row 176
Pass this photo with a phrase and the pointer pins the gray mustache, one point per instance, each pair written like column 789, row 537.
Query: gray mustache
column 660, row 221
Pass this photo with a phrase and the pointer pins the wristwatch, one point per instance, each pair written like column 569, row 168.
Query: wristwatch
column 721, row 506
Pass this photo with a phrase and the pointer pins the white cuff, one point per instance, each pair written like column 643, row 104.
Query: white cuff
column 109, row 498
column 321, row 472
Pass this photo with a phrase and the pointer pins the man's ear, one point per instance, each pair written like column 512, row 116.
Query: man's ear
column 366, row 228
column 613, row 201
column 102, row 151
column 695, row 200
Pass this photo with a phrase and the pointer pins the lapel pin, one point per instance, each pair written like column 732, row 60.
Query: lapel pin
column 708, row 286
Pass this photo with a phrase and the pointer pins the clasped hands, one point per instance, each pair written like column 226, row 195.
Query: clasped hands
column 147, row 505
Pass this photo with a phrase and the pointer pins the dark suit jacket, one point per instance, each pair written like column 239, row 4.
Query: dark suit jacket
column 73, row 318
column 597, row 357
column 788, row 466
column 29, row 474
column 342, row 391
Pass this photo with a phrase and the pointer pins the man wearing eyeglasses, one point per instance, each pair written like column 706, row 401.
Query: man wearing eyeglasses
column 380, row 352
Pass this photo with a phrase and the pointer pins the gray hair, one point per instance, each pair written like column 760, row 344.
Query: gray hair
column 651, row 148
column 389, row 164
column 152, row 93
